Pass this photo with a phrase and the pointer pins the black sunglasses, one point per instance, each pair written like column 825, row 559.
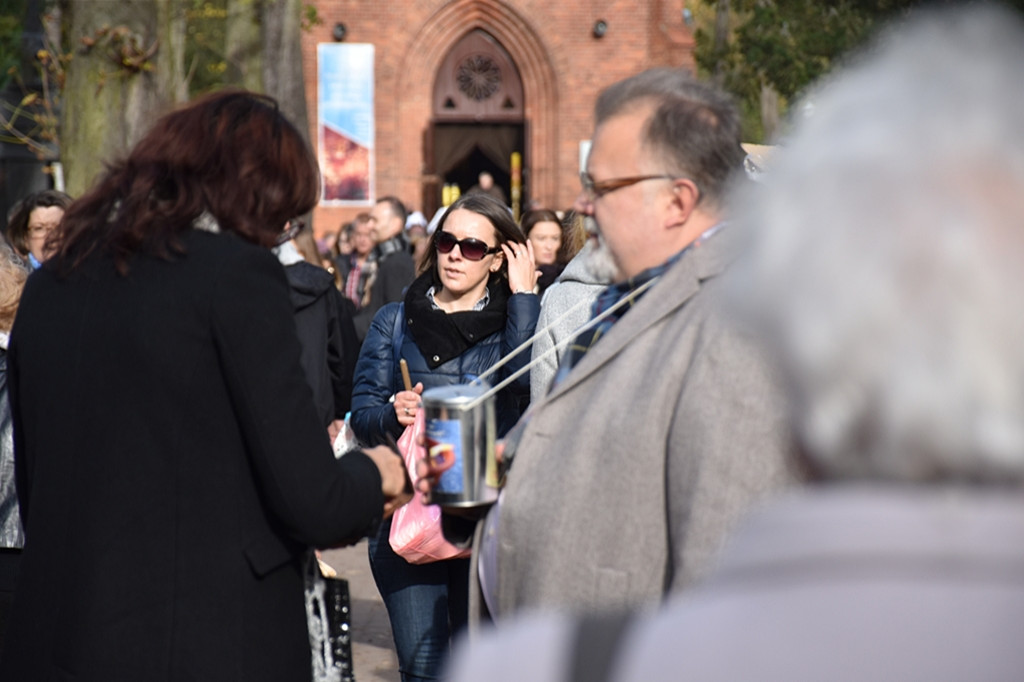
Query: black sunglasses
column 294, row 227
column 471, row 249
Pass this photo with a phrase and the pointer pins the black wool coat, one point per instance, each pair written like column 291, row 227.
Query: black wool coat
column 171, row 471
column 328, row 338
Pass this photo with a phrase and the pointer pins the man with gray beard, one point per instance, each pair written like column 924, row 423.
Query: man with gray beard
column 664, row 424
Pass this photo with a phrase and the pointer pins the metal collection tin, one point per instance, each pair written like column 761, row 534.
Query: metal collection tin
column 460, row 434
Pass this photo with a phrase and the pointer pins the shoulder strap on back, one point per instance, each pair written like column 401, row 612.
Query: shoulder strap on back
column 597, row 641
column 396, row 333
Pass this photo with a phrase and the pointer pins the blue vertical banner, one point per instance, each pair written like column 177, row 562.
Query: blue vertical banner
column 345, row 125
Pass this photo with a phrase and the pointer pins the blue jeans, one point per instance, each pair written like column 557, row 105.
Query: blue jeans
column 426, row 603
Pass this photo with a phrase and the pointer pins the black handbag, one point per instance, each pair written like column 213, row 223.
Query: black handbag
column 329, row 616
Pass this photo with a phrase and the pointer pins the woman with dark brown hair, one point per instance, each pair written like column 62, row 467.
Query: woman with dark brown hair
column 553, row 243
column 171, row 466
column 472, row 304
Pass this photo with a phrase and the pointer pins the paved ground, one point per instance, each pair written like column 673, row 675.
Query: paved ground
column 372, row 647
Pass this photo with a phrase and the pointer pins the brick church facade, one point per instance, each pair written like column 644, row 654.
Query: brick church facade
column 458, row 84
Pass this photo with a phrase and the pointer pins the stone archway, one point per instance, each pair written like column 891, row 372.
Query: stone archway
column 424, row 57
column 476, row 120
column 478, row 81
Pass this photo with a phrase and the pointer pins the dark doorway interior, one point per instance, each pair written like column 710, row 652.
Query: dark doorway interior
column 466, row 173
column 463, row 150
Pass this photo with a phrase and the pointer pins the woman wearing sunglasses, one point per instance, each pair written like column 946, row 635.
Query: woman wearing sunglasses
column 472, row 304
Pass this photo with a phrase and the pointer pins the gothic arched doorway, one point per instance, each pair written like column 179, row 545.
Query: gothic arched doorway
column 477, row 119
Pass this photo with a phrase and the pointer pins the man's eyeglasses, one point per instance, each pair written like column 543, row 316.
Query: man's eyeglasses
column 289, row 233
column 471, row 249
column 593, row 189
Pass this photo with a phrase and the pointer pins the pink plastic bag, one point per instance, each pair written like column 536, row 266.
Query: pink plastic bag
column 416, row 527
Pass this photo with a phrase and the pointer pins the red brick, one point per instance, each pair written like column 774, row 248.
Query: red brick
column 563, row 68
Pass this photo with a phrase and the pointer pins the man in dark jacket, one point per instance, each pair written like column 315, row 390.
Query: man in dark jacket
column 324, row 325
column 391, row 258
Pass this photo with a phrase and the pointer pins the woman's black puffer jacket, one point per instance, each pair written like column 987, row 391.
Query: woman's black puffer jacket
column 452, row 349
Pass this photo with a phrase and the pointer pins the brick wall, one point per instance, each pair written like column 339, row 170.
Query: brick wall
column 563, row 68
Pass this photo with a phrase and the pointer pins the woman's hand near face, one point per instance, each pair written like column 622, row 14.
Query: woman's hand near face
column 522, row 268
column 406, row 404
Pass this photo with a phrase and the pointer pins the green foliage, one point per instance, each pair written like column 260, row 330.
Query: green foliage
column 31, row 83
column 34, row 121
column 310, row 17
column 11, row 17
column 787, row 44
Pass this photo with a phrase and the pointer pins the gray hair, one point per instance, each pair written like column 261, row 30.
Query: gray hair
column 890, row 261
column 694, row 127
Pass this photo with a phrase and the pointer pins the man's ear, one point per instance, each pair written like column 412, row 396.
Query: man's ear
column 685, row 196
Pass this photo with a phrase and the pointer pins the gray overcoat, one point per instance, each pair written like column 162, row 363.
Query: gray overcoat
column 630, row 474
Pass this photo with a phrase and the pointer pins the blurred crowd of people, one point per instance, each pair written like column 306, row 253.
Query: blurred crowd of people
column 772, row 427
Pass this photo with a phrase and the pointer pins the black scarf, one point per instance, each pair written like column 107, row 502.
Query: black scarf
column 397, row 243
column 441, row 336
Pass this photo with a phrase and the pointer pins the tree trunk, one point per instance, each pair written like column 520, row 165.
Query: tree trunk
column 282, row 63
column 173, row 27
column 769, row 112
column 720, row 47
column 282, row 60
column 242, row 43
column 135, row 71
column 116, row 87
column 264, row 53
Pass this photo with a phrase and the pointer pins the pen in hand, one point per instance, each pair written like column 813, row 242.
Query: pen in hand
column 406, row 379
